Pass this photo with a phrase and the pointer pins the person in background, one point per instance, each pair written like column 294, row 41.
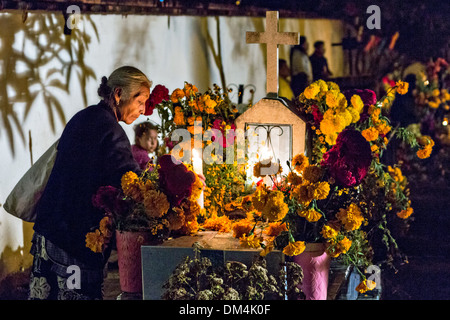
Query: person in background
column 146, row 141
column 319, row 63
column 284, row 83
column 301, row 70
column 93, row 151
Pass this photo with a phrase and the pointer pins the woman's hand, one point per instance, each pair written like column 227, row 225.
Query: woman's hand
column 202, row 179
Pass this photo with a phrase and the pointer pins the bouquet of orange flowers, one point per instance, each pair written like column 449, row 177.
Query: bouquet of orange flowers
column 342, row 195
column 162, row 199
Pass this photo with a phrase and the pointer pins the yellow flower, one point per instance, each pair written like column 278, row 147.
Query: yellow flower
column 402, row 87
column 127, row 179
column 333, row 86
column 190, row 89
column 95, row 241
column 294, row 248
column 332, row 98
column 351, row 217
column 178, row 119
column 303, row 194
column 131, row 185
column 241, row 228
column 365, row 286
column 312, row 173
column 106, row 227
column 294, row 178
column 176, row 95
column 209, row 104
column 250, row 241
column 300, row 162
column 357, row 103
column 328, row 232
column 221, row 224
column 370, row 134
column 436, row 93
column 321, row 190
column 354, row 113
column 275, row 228
column 344, row 245
column 156, row 204
column 310, row 215
column 267, row 249
column 404, row 214
column 311, row 91
column 275, row 208
column 424, row 153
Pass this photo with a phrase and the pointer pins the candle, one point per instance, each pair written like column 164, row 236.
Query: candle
column 197, row 164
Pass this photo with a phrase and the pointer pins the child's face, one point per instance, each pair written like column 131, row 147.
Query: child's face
column 149, row 140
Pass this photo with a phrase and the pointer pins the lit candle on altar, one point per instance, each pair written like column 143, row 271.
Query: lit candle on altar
column 197, row 164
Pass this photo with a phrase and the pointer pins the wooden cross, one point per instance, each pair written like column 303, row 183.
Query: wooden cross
column 272, row 38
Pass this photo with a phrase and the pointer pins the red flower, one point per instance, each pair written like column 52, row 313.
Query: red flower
column 158, row 95
column 227, row 137
column 349, row 159
column 109, row 199
column 175, row 179
column 318, row 116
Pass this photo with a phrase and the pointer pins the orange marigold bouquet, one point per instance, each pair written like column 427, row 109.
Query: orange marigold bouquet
column 341, row 195
column 161, row 200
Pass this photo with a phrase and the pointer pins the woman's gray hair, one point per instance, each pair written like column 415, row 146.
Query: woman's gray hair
column 128, row 79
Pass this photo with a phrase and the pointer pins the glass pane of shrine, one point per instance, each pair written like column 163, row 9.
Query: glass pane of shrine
column 266, row 141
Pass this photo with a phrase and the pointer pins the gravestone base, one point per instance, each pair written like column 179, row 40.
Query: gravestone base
column 158, row 262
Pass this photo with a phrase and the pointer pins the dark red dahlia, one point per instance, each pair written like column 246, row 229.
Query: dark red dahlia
column 349, row 159
column 175, row 179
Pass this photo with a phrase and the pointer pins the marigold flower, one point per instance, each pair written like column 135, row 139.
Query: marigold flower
column 189, row 89
column 178, row 118
column 128, row 179
column 275, row 208
column 404, row 214
column 332, row 98
column 328, row 232
column 250, row 241
column 424, row 152
column 304, row 194
column 321, row 190
column 267, row 249
column 106, row 227
column 294, row 178
column 351, row 217
column 402, row 87
column 312, row 173
column 275, row 228
column 294, row 248
column 241, row 228
column 370, row 134
column 300, row 162
column 357, row 103
column 344, row 245
column 95, row 241
column 310, row 215
column 221, row 224
column 156, row 204
column 176, row 95
column 365, row 286
column 311, row 91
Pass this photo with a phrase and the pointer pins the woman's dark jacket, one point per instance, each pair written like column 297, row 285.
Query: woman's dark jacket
column 93, row 151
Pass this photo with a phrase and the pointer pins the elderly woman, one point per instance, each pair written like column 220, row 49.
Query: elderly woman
column 93, row 151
